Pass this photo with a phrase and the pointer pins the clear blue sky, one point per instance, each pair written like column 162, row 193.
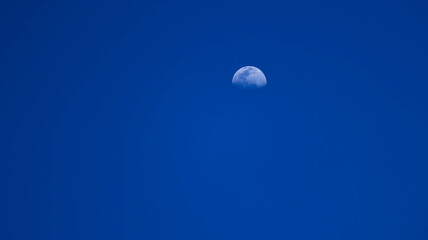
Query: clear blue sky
column 119, row 120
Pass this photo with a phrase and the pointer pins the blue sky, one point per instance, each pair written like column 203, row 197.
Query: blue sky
column 119, row 120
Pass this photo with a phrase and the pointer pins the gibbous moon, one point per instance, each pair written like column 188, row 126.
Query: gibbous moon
column 249, row 77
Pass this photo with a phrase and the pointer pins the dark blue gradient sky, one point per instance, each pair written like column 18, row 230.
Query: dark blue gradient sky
column 119, row 120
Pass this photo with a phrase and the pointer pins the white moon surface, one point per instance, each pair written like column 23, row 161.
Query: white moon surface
column 249, row 77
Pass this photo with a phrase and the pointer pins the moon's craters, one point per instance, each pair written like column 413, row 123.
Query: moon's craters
column 249, row 77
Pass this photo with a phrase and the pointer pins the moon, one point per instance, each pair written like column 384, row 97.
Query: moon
column 249, row 77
